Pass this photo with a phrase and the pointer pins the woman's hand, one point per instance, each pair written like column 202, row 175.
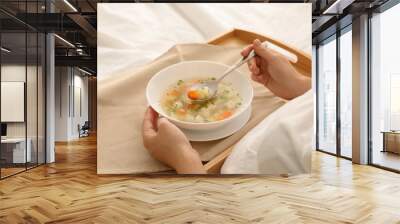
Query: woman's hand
column 169, row 145
column 275, row 72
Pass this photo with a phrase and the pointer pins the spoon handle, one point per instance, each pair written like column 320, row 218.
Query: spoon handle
column 237, row 64
column 266, row 44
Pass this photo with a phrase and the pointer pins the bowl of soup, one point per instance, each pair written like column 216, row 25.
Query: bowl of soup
column 167, row 92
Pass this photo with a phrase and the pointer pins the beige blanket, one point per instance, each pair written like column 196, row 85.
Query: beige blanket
column 122, row 103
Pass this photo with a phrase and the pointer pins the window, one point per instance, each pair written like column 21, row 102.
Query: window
column 334, row 106
column 385, row 89
column 394, row 116
column 327, row 96
column 346, row 92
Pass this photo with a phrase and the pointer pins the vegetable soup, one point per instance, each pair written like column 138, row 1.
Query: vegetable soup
column 177, row 103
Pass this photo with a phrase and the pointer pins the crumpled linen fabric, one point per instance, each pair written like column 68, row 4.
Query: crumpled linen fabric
column 280, row 144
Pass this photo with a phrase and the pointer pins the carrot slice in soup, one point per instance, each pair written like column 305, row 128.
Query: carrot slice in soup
column 181, row 111
column 193, row 106
column 194, row 95
column 224, row 115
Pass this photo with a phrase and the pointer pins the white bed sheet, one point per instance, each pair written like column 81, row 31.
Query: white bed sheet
column 133, row 34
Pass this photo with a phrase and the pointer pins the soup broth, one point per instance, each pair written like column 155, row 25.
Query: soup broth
column 177, row 104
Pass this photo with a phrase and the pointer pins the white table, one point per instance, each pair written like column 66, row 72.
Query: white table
column 19, row 153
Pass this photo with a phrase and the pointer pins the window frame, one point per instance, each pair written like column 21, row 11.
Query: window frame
column 334, row 37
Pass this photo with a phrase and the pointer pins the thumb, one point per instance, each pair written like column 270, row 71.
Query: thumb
column 261, row 50
column 162, row 123
column 165, row 126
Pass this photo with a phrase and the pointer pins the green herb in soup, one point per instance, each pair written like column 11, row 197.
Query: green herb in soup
column 177, row 103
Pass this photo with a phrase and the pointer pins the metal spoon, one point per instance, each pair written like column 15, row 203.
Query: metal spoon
column 212, row 85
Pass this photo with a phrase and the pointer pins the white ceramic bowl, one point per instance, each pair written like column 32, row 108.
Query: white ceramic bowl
column 188, row 70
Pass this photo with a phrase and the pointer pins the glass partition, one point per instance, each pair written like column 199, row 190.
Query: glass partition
column 32, row 95
column 22, row 101
column 32, row 73
column 14, row 153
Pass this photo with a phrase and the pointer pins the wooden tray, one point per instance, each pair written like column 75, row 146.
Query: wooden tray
column 241, row 38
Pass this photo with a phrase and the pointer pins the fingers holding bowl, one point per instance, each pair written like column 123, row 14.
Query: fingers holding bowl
column 149, row 122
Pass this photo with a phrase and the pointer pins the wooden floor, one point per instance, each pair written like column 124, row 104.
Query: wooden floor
column 387, row 159
column 5, row 172
column 8, row 171
column 69, row 191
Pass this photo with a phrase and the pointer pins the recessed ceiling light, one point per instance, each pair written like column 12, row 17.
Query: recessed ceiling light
column 338, row 6
column 5, row 50
column 70, row 5
column 84, row 71
column 64, row 40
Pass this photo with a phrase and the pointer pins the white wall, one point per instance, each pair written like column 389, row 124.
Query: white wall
column 69, row 82
column 79, row 117
column 14, row 73
column 62, row 81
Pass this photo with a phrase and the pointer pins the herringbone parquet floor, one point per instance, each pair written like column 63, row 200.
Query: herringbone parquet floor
column 69, row 191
